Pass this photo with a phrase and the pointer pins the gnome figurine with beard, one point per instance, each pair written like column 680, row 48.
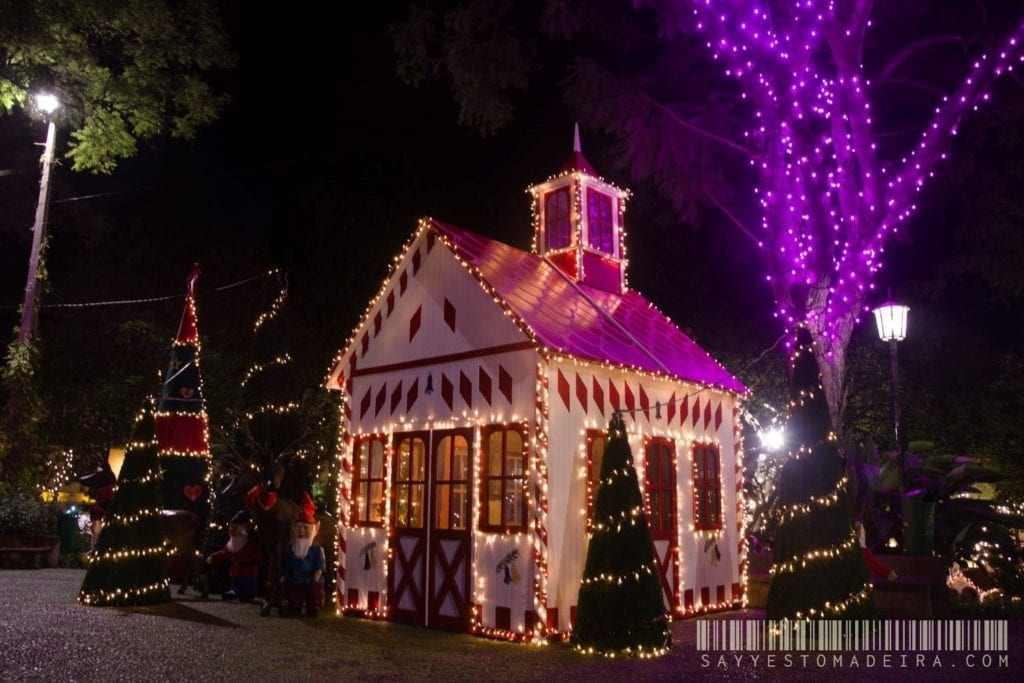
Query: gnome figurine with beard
column 303, row 564
column 244, row 554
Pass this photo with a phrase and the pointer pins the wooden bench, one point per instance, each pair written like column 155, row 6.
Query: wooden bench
column 29, row 552
column 919, row 590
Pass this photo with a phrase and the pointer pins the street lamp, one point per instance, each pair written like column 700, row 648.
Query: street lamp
column 46, row 103
column 891, row 319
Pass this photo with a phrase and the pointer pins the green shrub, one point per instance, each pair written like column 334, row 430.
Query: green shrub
column 23, row 515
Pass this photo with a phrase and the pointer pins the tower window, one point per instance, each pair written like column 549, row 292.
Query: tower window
column 599, row 221
column 556, row 219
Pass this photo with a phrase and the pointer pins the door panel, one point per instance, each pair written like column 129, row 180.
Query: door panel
column 451, row 483
column 429, row 570
column 407, row 564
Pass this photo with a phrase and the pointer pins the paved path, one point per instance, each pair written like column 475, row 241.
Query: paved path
column 46, row 636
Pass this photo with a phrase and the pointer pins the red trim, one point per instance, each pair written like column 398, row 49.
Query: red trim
column 361, row 486
column 448, row 358
column 664, row 529
column 707, row 486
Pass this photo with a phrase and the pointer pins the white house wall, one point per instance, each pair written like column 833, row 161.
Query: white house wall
column 582, row 397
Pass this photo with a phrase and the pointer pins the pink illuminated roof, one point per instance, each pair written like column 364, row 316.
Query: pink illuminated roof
column 572, row 318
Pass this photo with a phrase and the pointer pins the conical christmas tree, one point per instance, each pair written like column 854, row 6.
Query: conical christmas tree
column 818, row 570
column 129, row 566
column 182, row 432
column 620, row 609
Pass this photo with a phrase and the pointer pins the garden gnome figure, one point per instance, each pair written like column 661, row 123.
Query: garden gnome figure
column 244, row 554
column 302, row 569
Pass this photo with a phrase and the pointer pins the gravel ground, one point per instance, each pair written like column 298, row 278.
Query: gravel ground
column 45, row 635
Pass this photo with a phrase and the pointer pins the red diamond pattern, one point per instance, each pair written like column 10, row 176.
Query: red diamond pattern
column 382, row 396
column 376, row 324
column 684, row 410
column 485, row 383
column 563, row 389
column 505, row 383
column 645, row 403
column 447, row 390
column 718, row 417
column 391, row 301
column 696, row 411
column 416, row 262
column 581, row 392
column 466, row 389
column 396, row 397
column 670, row 413
column 403, row 282
column 598, row 396
column 414, row 322
column 449, row 314
column 630, row 400
column 707, row 414
column 364, row 404
column 365, row 343
column 414, row 393
column 613, row 395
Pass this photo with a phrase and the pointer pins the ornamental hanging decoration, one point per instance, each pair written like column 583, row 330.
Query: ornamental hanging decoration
column 508, row 567
column 369, row 556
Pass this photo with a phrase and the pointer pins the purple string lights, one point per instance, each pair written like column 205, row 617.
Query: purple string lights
column 828, row 203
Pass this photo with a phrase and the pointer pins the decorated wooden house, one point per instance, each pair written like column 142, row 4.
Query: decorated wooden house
column 476, row 393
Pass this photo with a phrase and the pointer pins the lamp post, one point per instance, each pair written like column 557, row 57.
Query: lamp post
column 891, row 319
column 47, row 104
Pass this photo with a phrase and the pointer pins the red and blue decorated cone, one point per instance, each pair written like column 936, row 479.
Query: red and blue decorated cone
column 182, row 428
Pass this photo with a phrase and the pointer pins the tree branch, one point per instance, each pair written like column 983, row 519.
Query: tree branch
column 750, row 154
column 732, row 218
column 913, row 47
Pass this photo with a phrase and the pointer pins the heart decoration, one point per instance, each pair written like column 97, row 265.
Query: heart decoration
column 192, row 491
column 187, row 392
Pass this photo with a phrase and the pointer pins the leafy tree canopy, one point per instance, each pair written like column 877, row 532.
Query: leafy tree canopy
column 123, row 71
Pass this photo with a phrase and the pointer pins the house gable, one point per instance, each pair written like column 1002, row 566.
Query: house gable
column 431, row 309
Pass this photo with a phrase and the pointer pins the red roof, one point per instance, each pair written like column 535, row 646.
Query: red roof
column 570, row 317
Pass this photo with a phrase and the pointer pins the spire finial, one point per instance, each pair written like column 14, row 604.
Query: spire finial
column 576, row 147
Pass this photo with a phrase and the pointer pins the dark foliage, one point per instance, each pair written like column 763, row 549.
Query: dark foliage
column 833, row 586
column 621, row 608
column 129, row 564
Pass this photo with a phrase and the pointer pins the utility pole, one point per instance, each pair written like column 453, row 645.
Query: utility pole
column 30, row 309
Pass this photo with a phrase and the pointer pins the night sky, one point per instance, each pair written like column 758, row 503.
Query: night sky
column 322, row 164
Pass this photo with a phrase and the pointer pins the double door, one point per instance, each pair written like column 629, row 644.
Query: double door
column 429, row 564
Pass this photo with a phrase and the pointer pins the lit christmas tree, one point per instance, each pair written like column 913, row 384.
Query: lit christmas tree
column 621, row 611
column 818, row 570
column 129, row 566
column 182, row 428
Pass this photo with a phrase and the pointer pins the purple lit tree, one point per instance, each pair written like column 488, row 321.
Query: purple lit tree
column 831, row 186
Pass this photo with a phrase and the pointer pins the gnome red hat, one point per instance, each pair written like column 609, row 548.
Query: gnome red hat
column 307, row 515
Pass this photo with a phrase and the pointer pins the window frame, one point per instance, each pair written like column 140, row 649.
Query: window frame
column 360, row 517
column 597, row 226
column 654, row 485
column 705, row 492
column 486, row 478
column 397, row 484
column 564, row 221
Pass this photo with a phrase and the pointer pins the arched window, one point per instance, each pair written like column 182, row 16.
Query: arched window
column 504, row 480
column 707, row 488
column 410, row 482
column 660, row 479
column 368, row 484
column 556, row 219
column 599, row 221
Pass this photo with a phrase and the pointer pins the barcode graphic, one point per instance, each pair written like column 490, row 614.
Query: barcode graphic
column 852, row 636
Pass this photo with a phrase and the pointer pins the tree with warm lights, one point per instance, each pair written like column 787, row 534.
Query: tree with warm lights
column 621, row 609
column 818, row 570
column 129, row 563
column 833, row 179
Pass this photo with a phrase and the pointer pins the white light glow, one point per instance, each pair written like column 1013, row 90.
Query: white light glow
column 773, row 440
column 891, row 319
column 46, row 102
